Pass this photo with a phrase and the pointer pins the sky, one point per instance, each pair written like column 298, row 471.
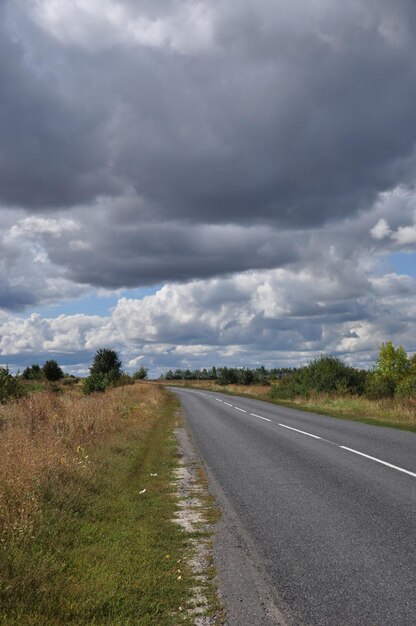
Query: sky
column 201, row 182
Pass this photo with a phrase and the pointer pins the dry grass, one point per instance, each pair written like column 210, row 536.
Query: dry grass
column 397, row 412
column 87, row 511
column 44, row 432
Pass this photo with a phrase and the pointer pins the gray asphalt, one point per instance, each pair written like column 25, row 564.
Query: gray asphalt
column 333, row 531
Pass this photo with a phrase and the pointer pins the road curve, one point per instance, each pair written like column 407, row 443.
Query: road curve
column 329, row 505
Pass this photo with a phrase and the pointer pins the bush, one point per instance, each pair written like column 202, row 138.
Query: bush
column 34, row 372
column 125, row 379
column 379, row 387
column 325, row 374
column 407, row 388
column 141, row 374
column 9, row 386
column 96, row 381
column 52, row 371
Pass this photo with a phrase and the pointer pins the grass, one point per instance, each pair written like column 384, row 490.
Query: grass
column 81, row 542
column 391, row 412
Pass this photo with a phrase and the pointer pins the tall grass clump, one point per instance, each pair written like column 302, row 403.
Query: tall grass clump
column 86, row 508
column 43, row 434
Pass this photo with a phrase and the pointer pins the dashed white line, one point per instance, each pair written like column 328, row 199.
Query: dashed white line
column 373, row 458
column 303, row 432
column 260, row 417
column 300, row 431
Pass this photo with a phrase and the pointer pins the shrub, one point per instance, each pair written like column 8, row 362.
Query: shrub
column 125, row 379
column 407, row 388
column 52, row 371
column 325, row 374
column 141, row 374
column 9, row 386
column 378, row 387
column 34, row 372
column 97, row 381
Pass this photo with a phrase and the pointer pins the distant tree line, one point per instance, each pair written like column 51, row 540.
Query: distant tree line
column 393, row 375
column 230, row 375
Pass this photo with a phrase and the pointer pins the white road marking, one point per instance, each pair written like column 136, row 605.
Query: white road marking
column 300, row 431
column 260, row 417
column 373, row 458
column 303, row 432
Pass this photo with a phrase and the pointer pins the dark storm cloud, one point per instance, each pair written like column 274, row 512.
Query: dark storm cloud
column 301, row 113
column 154, row 252
column 198, row 146
column 52, row 152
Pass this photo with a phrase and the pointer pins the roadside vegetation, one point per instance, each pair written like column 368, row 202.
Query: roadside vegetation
column 87, row 507
column 384, row 395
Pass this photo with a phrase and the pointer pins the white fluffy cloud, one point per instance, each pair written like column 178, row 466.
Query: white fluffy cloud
column 274, row 316
column 381, row 230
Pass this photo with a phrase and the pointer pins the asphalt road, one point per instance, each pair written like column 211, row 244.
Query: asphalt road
column 328, row 507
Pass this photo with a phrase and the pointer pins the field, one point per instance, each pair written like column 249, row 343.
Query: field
column 86, row 510
column 393, row 412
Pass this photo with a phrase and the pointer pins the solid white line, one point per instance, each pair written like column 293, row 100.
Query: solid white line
column 300, row 431
column 260, row 417
column 218, row 400
column 373, row 458
column 227, row 403
column 238, row 409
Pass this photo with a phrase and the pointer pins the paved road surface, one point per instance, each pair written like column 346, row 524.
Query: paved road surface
column 328, row 506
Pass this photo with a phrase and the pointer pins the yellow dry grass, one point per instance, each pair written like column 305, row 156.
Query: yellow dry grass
column 44, row 431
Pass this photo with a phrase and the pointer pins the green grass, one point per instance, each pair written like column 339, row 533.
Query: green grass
column 377, row 413
column 104, row 554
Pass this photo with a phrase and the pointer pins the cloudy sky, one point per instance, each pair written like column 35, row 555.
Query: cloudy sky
column 206, row 182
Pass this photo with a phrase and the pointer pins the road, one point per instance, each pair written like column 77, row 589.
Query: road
column 328, row 507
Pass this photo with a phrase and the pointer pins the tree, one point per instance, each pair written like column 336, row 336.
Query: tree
column 105, row 371
column 52, row 371
column 106, row 361
column 34, row 372
column 392, row 362
column 141, row 374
